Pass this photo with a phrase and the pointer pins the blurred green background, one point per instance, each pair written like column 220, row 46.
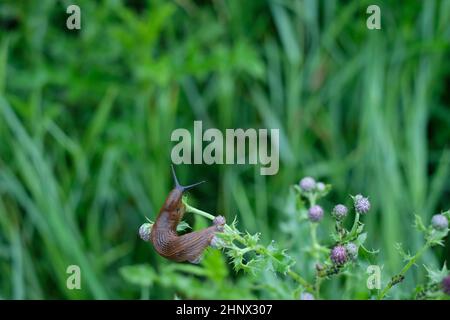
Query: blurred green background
column 86, row 118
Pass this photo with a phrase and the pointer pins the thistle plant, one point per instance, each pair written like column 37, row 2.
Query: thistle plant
column 246, row 253
column 433, row 236
column 339, row 254
column 342, row 251
column 437, row 287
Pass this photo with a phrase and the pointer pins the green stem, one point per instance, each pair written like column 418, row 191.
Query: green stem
column 258, row 249
column 312, row 199
column 355, row 225
column 207, row 215
column 191, row 209
column 315, row 243
column 294, row 275
column 316, row 246
column 399, row 277
column 317, row 287
column 340, row 230
column 145, row 292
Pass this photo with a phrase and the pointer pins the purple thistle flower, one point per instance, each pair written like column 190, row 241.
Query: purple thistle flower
column 315, row 213
column 439, row 222
column 145, row 230
column 338, row 255
column 340, row 211
column 306, row 296
column 352, row 250
column 307, row 184
column 446, row 285
column 362, row 204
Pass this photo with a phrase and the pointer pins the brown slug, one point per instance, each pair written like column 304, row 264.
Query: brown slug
column 188, row 247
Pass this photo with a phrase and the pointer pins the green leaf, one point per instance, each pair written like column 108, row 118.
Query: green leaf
column 252, row 240
column 142, row 275
column 436, row 276
column 215, row 265
column 418, row 224
column 280, row 260
column 335, row 237
column 361, row 239
column 360, row 228
column 256, row 266
column 399, row 247
column 187, row 268
column 183, row 226
column 435, row 237
column 321, row 194
column 369, row 255
column 236, row 258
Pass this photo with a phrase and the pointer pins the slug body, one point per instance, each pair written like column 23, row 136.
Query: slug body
column 164, row 237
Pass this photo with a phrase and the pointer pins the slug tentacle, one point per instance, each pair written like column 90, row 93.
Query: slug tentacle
column 167, row 242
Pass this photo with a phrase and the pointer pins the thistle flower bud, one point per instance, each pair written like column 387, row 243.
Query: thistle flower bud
column 216, row 242
column 219, row 222
column 315, row 213
column 439, row 222
column 306, row 296
column 307, row 184
column 362, row 204
column 339, row 212
column 145, row 230
column 338, row 255
column 352, row 250
column 320, row 186
column 446, row 285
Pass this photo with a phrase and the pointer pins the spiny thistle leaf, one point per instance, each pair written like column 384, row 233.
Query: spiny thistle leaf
column 406, row 256
column 418, row 224
column 280, row 260
column 361, row 239
column 436, row 276
column 183, row 226
column 251, row 240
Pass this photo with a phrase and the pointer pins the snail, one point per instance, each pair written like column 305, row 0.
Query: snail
column 167, row 243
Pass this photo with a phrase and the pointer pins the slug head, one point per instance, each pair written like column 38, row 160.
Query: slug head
column 174, row 200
